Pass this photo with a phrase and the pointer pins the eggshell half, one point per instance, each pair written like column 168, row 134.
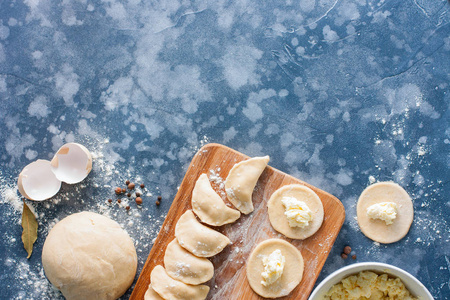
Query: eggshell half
column 72, row 163
column 37, row 181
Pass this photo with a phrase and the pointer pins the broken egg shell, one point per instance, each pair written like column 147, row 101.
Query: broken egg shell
column 72, row 163
column 37, row 181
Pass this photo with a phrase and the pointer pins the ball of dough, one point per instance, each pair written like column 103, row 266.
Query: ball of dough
column 292, row 273
column 89, row 256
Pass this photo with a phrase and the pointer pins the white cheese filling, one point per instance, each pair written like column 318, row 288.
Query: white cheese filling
column 297, row 212
column 385, row 211
column 273, row 267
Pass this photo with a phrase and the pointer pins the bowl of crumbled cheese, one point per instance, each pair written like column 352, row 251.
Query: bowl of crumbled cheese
column 370, row 280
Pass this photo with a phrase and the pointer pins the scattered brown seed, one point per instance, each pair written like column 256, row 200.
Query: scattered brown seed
column 124, row 190
column 131, row 186
column 127, row 182
column 129, row 195
column 119, row 200
column 142, row 185
column 110, row 200
column 118, row 190
column 354, row 256
column 159, row 198
column 344, row 256
column 128, row 207
column 138, row 194
column 138, row 200
column 157, row 202
column 347, row 250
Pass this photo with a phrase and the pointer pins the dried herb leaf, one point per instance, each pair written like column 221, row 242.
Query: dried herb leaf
column 30, row 226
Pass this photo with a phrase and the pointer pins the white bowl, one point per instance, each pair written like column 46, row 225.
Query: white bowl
column 416, row 288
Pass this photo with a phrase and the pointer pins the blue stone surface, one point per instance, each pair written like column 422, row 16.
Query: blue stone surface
column 339, row 93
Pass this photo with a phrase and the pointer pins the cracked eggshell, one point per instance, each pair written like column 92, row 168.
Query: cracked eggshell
column 37, row 181
column 72, row 163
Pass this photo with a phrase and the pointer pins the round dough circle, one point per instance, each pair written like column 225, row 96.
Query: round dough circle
column 279, row 220
column 292, row 273
column 89, row 256
column 376, row 229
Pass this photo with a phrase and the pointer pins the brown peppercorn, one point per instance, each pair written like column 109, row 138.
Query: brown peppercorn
column 157, row 202
column 131, row 186
column 118, row 190
column 344, row 256
column 110, row 200
column 159, row 198
column 123, row 190
column 347, row 250
column 354, row 256
column 129, row 195
column 127, row 182
column 142, row 185
column 128, row 207
column 138, row 200
column 118, row 200
column 138, row 194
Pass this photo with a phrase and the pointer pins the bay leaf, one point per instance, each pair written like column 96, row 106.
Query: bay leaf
column 30, row 226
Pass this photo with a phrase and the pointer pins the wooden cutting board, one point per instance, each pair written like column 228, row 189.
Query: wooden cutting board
column 229, row 281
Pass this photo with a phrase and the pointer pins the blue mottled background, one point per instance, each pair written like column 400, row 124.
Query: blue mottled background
column 340, row 93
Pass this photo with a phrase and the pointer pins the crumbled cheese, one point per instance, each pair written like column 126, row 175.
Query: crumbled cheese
column 273, row 267
column 297, row 212
column 385, row 211
column 368, row 285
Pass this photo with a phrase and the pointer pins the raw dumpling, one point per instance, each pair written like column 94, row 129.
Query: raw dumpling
column 242, row 180
column 198, row 239
column 150, row 294
column 208, row 205
column 172, row 289
column 183, row 266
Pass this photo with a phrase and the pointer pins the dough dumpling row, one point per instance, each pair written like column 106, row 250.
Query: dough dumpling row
column 242, row 180
column 209, row 206
column 185, row 260
column 198, row 239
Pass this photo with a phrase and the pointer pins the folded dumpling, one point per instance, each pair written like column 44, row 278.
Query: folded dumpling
column 182, row 265
column 241, row 181
column 209, row 206
column 150, row 294
column 198, row 239
column 172, row 289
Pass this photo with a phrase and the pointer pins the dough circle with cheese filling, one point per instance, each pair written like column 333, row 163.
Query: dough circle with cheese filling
column 292, row 272
column 376, row 229
column 277, row 211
